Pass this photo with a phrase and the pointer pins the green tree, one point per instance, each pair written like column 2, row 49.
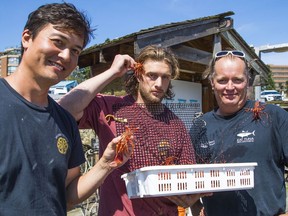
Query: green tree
column 270, row 82
column 281, row 87
column 80, row 74
column 286, row 87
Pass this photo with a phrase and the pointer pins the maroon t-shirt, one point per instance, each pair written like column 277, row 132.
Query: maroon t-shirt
column 160, row 136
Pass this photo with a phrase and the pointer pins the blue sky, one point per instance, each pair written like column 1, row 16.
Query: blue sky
column 259, row 22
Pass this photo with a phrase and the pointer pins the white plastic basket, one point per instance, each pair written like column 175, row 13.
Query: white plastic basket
column 170, row 180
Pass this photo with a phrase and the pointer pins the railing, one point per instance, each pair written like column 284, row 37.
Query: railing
column 90, row 206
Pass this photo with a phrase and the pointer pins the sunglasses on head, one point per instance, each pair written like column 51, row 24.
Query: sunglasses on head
column 235, row 53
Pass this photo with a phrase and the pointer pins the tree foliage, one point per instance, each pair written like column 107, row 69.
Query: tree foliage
column 270, row 82
column 286, row 87
column 80, row 74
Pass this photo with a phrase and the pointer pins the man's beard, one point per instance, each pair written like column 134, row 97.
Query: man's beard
column 148, row 98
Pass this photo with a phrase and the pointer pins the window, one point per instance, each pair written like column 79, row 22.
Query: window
column 13, row 60
column 11, row 69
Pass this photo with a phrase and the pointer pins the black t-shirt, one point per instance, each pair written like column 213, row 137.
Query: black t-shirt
column 38, row 145
column 241, row 138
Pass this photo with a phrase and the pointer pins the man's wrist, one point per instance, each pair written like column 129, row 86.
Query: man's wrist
column 105, row 164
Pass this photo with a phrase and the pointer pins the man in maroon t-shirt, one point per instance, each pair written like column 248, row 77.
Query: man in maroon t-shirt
column 160, row 136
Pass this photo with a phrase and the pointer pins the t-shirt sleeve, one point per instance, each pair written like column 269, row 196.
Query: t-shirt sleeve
column 89, row 116
column 94, row 113
column 281, row 131
column 77, row 154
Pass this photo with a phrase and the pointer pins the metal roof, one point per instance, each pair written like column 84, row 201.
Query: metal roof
column 64, row 83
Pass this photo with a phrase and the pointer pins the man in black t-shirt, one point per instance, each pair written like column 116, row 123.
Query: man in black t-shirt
column 241, row 130
column 40, row 144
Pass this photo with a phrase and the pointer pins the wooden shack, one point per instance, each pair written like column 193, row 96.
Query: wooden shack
column 193, row 42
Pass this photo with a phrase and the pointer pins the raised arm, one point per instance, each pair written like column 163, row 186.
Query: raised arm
column 78, row 98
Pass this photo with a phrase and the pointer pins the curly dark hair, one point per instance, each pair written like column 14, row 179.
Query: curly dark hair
column 64, row 16
column 155, row 53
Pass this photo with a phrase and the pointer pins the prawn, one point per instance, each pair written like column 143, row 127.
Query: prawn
column 122, row 147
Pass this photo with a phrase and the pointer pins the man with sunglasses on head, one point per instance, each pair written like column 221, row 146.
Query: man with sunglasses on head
column 241, row 130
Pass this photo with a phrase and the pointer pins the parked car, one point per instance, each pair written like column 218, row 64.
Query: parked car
column 271, row 95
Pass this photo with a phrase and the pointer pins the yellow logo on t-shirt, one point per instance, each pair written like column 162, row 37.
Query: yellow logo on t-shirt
column 62, row 144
